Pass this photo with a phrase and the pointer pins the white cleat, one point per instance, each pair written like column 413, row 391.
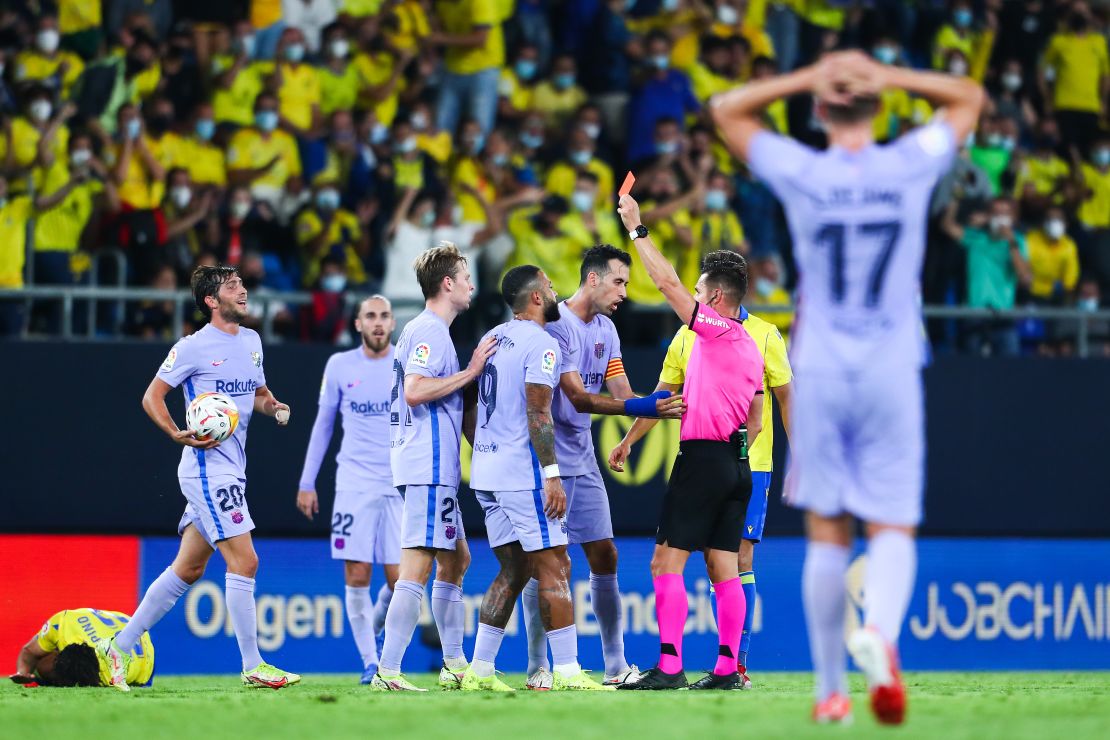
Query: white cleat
column 632, row 675
column 117, row 662
column 393, row 683
column 541, row 680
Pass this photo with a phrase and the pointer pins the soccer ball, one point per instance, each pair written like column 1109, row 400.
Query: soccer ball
column 212, row 416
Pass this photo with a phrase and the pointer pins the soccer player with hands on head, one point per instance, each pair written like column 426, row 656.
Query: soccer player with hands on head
column 858, row 216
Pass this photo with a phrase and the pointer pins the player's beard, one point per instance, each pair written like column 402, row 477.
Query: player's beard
column 375, row 344
column 550, row 309
column 231, row 313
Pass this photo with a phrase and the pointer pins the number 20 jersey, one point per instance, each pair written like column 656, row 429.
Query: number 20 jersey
column 858, row 222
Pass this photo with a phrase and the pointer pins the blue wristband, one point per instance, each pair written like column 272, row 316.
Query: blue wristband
column 645, row 406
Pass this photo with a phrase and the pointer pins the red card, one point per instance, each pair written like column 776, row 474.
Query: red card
column 626, row 188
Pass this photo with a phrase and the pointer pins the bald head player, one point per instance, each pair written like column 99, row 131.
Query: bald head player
column 711, row 481
column 858, row 216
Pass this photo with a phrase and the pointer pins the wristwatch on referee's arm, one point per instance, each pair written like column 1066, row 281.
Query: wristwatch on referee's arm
column 638, row 233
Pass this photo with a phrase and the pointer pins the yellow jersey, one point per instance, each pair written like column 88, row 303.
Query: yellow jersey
column 412, row 25
column 14, row 216
column 205, row 162
column 375, row 70
column 75, row 16
column 462, row 17
column 1094, row 211
column 33, row 66
column 343, row 235
column 560, row 255
column 25, row 148
column 557, row 106
column 299, row 91
column 59, row 229
column 338, row 90
column 88, row 627
column 1051, row 263
column 249, row 149
column 1043, row 174
column 515, row 91
column 641, row 288
column 560, row 180
column 1080, row 62
column 776, row 373
column 235, row 104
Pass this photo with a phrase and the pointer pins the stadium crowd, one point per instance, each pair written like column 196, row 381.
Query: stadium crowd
column 320, row 145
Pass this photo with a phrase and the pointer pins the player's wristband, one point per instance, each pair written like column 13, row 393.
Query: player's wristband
column 551, row 471
column 645, row 406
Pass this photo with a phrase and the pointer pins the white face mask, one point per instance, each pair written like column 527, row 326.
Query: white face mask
column 727, row 15
column 419, row 121
column 1054, row 228
column 240, row 209
column 181, row 195
column 339, row 48
column 47, row 40
column 958, row 67
column 79, row 157
column 40, row 110
column 1000, row 223
column 1011, row 81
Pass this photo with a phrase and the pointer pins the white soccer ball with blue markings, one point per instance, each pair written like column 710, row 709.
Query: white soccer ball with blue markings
column 212, row 416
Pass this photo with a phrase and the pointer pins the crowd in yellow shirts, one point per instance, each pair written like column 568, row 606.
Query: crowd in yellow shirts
column 315, row 141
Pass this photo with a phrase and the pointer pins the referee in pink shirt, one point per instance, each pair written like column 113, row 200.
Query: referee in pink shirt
column 711, row 481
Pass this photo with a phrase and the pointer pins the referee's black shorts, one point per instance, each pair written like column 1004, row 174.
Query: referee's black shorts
column 706, row 499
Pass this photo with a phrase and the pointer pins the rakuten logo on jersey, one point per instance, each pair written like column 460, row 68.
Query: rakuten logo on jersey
column 236, row 387
column 703, row 319
column 369, row 408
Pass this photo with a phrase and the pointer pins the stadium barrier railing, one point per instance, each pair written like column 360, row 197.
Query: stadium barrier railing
column 1082, row 321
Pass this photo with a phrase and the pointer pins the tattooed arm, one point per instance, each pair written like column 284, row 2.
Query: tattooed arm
column 541, row 430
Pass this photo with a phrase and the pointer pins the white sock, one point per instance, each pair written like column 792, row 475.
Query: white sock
column 358, row 614
column 824, row 597
column 888, row 585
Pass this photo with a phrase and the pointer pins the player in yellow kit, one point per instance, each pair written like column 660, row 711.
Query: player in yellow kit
column 63, row 652
column 777, row 378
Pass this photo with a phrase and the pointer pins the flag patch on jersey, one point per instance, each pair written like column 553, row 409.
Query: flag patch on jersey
column 171, row 358
column 547, row 363
column 421, row 354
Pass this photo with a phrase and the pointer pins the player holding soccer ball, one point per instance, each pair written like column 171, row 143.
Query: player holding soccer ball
column 226, row 358
column 366, row 516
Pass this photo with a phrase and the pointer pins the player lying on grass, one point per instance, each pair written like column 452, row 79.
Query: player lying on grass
column 63, row 653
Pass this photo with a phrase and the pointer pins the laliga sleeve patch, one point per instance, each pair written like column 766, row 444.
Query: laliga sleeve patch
column 421, row 354
column 547, row 363
column 933, row 141
column 170, row 361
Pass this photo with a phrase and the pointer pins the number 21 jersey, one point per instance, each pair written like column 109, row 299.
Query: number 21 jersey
column 858, row 222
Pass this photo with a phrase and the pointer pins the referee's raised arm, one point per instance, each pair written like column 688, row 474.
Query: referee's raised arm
column 658, row 267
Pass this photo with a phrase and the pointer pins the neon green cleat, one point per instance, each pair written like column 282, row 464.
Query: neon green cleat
column 449, row 679
column 393, row 683
column 578, row 682
column 117, row 662
column 473, row 682
column 267, row 676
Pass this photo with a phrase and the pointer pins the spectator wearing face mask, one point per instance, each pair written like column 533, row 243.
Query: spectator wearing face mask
column 184, row 210
column 517, row 84
column 325, row 319
column 539, row 239
column 409, row 234
column 263, row 157
column 664, row 93
column 35, row 140
column 731, row 21
column 237, row 78
column 332, row 155
column 767, row 290
column 1075, row 79
column 1013, row 95
column 1094, row 212
column 434, row 142
column 590, row 219
column 340, row 81
column 961, row 35
column 895, row 108
column 580, row 157
column 312, row 17
column 136, row 169
column 714, row 226
column 327, row 230
column 665, row 209
column 559, row 96
column 411, row 168
column 993, row 151
column 997, row 263
column 713, row 72
column 296, row 85
column 607, row 65
column 46, row 63
column 245, row 226
column 382, row 75
column 75, row 191
column 205, row 161
column 169, row 148
column 125, row 77
column 1053, row 260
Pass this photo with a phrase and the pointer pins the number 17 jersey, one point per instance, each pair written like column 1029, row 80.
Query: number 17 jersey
column 858, row 222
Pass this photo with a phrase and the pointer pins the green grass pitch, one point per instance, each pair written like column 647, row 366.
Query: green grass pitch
column 324, row 707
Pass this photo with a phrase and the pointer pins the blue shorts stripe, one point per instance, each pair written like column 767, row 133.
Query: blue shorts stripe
column 190, row 395
column 430, row 532
column 537, row 477
column 537, row 498
column 435, row 443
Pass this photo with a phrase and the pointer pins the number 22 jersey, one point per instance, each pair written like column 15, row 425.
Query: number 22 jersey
column 858, row 222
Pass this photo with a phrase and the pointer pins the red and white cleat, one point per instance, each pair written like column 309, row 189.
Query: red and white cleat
column 745, row 682
column 834, row 709
column 878, row 660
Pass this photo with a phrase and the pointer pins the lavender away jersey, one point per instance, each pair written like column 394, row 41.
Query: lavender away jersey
column 424, row 440
column 586, row 349
column 503, row 456
column 360, row 388
column 858, row 220
column 212, row 361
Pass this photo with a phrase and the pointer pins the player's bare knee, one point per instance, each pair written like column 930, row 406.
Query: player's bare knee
column 452, row 566
column 244, row 564
column 188, row 572
column 747, row 555
column 357, row 575
column 602, row 557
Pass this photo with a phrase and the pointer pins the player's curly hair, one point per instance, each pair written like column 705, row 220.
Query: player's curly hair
column 728, row 271
column 206, row 281
column 77, row 665
column 441, row 261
